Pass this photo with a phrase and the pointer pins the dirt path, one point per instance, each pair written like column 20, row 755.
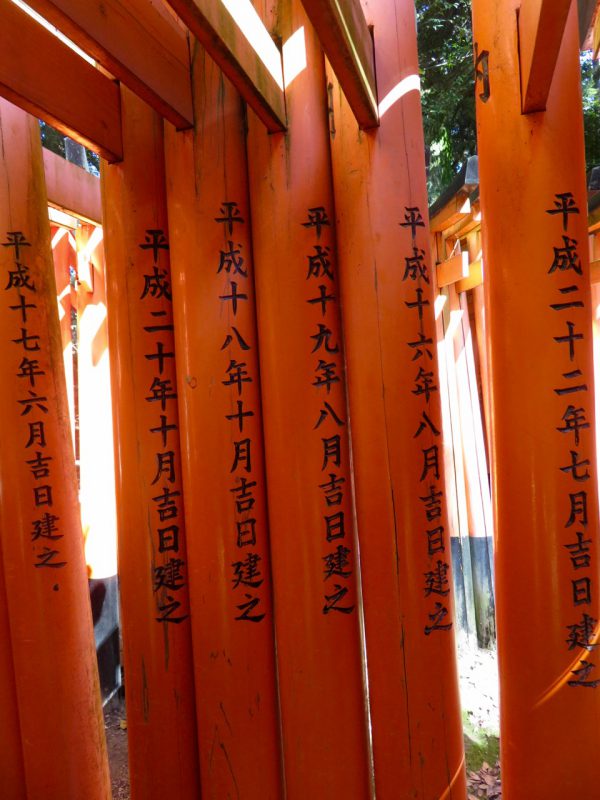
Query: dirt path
column 479, row 697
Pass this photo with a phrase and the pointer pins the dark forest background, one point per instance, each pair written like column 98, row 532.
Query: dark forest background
column 446, row 64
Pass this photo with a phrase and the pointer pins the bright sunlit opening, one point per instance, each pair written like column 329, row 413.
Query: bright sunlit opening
column 412, row 83
column 45, row 24
column 257, row 35
column 294, row 56
column 455, row 321
column 438, row 307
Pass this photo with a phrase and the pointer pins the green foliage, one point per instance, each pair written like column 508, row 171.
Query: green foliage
column 590, row 82
column 481, row 744
column 446, row 65
column 52, row 139
column 448, row 95
column 55, row 140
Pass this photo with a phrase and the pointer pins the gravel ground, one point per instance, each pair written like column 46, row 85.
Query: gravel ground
column 479, row 697
column 116, row 741
column 478, row 677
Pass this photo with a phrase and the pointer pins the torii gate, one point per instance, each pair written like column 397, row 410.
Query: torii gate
column 278, row 516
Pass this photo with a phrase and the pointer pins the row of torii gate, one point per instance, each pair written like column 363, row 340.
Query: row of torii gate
column 250, row 481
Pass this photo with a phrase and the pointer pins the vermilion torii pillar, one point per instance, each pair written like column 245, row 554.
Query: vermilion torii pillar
column 223, row 462
column 537, row 289
column 12, row 775
column 306, row 435
column 388, row 314
column 48, row 601
column 152, row 556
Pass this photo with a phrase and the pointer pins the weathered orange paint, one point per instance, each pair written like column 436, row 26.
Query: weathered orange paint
column 153, row 573
column 306, row 441
column 547, row 694
column 50, row 618
column 240, row 754
column 12, row 774
column 385, row 264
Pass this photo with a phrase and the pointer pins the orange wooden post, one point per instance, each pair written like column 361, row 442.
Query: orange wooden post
column 50, row 618
column 306, row 435
column 153, row 568
column 537, row 286
column 12, row 775
column 388, row 305
column 219, row 394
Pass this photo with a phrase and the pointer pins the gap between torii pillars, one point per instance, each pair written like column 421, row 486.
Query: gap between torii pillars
column 152, row 557
column 313, row 548
column 50, row 617
column 537, row 290
column 395, row 415
column 96, row 446
column 223, row 461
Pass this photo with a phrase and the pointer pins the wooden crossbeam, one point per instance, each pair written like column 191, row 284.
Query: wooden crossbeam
column 346, row 40
column 224, row 41
column 474, row 278
column 46, row 78
column 457, row 208
column 453, row 269
column 71, row 189
column 137, row 41
column 541, row 27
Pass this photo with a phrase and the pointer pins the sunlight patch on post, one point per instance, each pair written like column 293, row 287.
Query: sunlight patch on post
column 252, row 26
column 294, row 56
column 440, row 302
column 411, row 83
column 93, row 242
column 58, row 236
column 59, row 217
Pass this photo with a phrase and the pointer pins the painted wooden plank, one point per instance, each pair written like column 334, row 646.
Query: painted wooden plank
column 541, row 27
column 71, row 188
column 139, row 42
column 45, row 77
column 224, row 40
column 346, row 39
column 457, row 208
column 474, row 278
column 453, row 269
